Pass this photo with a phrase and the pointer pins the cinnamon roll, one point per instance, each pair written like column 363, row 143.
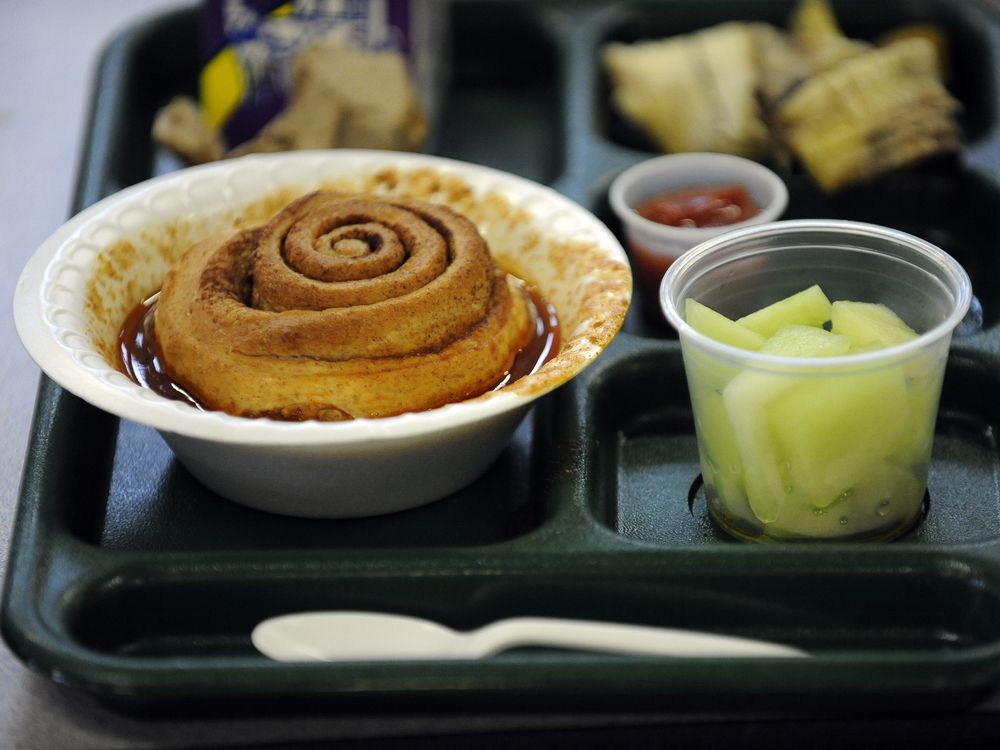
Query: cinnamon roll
column 341, row 307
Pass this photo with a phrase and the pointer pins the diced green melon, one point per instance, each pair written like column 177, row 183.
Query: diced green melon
column 923, row 394
column 806, row 341
column 810, row 307
column 717, row 326
column 716, row 440
column 869, row 325
column 706, row 372
column 833, row 430
column 748, row 398
column 813, row 455
column 885, row 498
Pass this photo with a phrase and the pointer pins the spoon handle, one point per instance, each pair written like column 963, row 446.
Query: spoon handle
column 617, row 638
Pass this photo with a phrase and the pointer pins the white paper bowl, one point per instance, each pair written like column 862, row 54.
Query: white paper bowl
column 77, row 288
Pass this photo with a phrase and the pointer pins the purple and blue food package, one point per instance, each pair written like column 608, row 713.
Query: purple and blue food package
column 250, row 49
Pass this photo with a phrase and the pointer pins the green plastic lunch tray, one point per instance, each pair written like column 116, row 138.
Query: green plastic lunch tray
column 131, row 581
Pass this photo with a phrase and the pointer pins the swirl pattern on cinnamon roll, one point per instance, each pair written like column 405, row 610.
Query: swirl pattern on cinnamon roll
column 341, row 307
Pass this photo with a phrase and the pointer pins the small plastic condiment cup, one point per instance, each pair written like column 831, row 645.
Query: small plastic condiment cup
column 809, row 448
column 652, row 246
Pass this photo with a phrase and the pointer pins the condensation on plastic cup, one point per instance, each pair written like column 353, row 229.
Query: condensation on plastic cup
column 817, row 448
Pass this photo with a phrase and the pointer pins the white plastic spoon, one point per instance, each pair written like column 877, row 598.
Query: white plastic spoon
column 364, row 636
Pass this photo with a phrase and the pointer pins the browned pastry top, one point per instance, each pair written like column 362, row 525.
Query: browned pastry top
column 341, row 306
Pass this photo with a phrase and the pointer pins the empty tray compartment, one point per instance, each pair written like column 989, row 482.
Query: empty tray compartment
column 137, row 630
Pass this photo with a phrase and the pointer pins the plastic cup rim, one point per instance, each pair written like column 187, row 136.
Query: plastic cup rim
column 764, row 361
column 628, row 215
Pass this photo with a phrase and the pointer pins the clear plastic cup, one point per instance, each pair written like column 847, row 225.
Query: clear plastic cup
column 807, row 448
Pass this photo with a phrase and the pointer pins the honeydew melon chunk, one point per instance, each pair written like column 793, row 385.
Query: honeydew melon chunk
column 869, row 325
column 810, row 307
column 923, row 393
column 873, row 326
column 707, row 377
column 887, row 496
column 720, row 455
column 748, row 399
column 806, row 341
column 717, row 326
column 705, row 372
column 832, row 431
column 751, row 396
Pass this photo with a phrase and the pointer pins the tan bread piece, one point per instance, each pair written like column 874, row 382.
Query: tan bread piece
column 181, row 127
column 781, row 64
column 302, row 319
column 345, row 98
column 871, row 113
column 696, row 92
column 815, row 31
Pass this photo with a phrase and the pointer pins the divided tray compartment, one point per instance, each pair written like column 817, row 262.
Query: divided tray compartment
column 639, row 469
column 130, row 580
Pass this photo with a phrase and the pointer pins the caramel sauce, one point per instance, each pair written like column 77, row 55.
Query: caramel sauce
column 542, row 347
column 140, row 359
column 139, row 356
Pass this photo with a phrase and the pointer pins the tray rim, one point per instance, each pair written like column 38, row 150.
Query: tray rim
column 32, row 639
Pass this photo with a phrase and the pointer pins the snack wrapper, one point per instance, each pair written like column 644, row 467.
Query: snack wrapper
column 250, row 49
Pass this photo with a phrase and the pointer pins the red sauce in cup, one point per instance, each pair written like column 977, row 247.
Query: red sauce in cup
column 707, row 206
column 703, row 206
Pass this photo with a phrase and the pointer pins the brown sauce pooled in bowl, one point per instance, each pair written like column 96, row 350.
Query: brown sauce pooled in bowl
column 139, row 357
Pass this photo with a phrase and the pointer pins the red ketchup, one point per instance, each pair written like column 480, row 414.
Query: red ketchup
column 704, row 206
column 709, row 206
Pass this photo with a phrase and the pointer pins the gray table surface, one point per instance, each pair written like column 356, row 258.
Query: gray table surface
column 48, row 50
